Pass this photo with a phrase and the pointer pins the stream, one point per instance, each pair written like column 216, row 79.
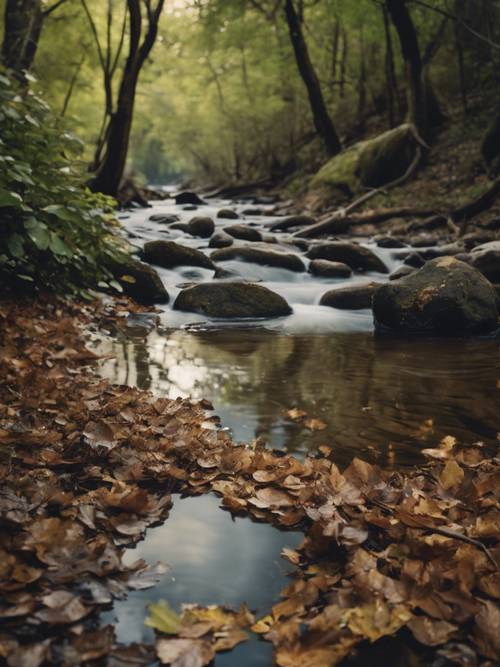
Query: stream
column 383, row 399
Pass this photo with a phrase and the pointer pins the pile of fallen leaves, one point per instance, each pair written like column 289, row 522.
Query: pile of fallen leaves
column 86, row 467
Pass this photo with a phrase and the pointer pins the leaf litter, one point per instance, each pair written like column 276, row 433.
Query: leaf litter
column 86, row 467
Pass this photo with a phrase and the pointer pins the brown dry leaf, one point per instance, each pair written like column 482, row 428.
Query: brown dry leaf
column 184, row 652
column 431, row 632
column 377, row 619
column 271, row 497
column 315, row 424
column 487, row 630
column 295, row 414
column 226, row 640
column 451, row 475
column 62, row 607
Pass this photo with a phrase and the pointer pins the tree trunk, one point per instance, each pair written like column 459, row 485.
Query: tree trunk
column 362, row 82
column 343, row 63
column 416, row 89
column 390, row 72
column 23, row 25
column 322, row 121
column 110, row 171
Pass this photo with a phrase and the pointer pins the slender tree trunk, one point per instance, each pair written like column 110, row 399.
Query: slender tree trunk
column 110, row 171
column 335, row 54
column 322, row 121
column 362, row 82
column 390, row 72
column 416, row 90
column 23, row 22
column 343, row 63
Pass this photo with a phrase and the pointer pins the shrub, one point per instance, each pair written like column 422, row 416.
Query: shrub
column 54, row 233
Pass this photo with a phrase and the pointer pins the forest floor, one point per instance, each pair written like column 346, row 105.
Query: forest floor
column 87, row 466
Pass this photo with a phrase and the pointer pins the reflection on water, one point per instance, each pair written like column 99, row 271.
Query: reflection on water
column 383, row 399
column 214, row 559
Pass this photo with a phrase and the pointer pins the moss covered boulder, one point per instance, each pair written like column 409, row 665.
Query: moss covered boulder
column 232, row 300
column 140, row 281
column 445, row 297
column 358, row 257
column 264, row 257
column 371, row 163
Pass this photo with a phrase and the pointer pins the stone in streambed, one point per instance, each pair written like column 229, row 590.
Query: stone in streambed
column 220, row 240
column 354, row 297
column 227, row 214
column 486, row 258
column 232, row 300
column 389, row 242
column 164, row 218
column 169, row 255
column 356, row 256
column 190, row 198
column 243, row 232
column 201, row 226
column 401, row 271
column 140, row 281
column 259, row 256
column 445, row 297
column 326, row 269
column 181, row 226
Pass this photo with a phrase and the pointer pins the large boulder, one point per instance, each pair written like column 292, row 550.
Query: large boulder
column 446, row 297
column 201, row 226
column 371, row 163
column 170, row 255
column 140, row 281
column 486, row 258
column 356, row 256
column 260, row 256
column 232, row 300
column 353, row 297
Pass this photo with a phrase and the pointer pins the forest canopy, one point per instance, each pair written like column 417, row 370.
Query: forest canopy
column 221, row 96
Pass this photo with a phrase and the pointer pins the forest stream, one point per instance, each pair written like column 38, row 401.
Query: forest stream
column 364, row 395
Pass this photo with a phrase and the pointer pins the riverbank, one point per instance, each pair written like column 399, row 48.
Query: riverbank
column 87, row 466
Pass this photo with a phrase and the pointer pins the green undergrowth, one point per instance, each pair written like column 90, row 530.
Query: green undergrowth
column 55, row 233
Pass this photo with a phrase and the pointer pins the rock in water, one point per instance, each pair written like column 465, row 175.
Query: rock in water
column 170, row 255
column 243, row 232
column 446, row 297
column 260, row 256
column 326, row 269
column 201, row 226
column 141, row 282
column 188, row 198
column 353, row 297
column 356, row 256
column 232, row 300
column 486, row 258
column 220, row 240
column 227, row 214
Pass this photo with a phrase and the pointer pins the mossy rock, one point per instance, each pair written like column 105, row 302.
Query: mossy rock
column 371, row 163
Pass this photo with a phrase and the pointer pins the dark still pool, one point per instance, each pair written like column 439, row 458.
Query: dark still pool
column 381, row 399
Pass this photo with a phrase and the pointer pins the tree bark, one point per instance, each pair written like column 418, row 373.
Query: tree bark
column 110, row 171
column 23, row 21
column 408, row 39
column 322, row 121
column 390, row 72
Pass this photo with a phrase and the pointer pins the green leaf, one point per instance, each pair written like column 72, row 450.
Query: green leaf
column 40, row 237
column 15, row 245
column 116, row 285
column 163, row 618
column 58, row 246
column 10, row 199
column 60, row 212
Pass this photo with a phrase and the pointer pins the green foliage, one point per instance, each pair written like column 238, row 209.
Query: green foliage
column 55, row 233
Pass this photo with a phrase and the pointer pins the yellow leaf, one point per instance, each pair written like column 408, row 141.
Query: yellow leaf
column 451, row 475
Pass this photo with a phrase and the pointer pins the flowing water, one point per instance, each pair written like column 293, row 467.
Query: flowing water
column 383, row 399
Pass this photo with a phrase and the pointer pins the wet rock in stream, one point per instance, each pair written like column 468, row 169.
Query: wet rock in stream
column 188, row 198
column 243, row 232
column 140, row 281
column 201, row 226
column 164, row 218
column 446, row 296
column 260, row 256
column 326, row 269
column 220, row 240
column 170, row 255
column 227, row 214
column 356, row 256
column 353, row 297
column 486, row 258
column 232, row 300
